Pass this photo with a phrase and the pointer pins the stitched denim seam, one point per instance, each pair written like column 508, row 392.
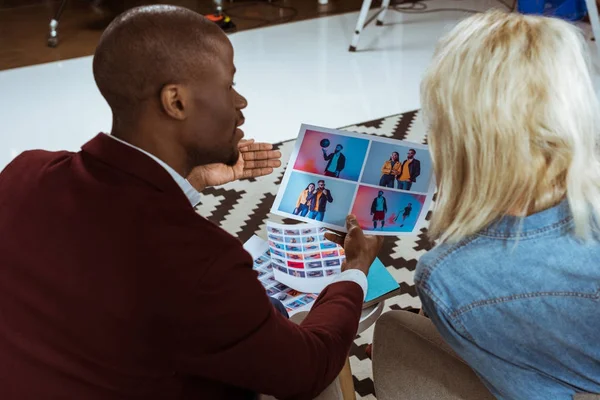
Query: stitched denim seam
column 500, row 300
column 439, row 260
column 527, row 234
column 436, row 299
column 466, row 333
column 445, row 309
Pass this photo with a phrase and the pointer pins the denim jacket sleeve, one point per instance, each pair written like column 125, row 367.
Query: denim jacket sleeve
column 505, row 378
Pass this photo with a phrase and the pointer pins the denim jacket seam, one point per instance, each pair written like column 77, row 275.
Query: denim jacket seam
column 423, row 285
column 440, row 259
column 506, row 299
column 446, row 310
column 428, row 270
column 531, row 234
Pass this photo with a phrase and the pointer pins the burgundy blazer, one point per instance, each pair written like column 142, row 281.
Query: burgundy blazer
column 113, row 287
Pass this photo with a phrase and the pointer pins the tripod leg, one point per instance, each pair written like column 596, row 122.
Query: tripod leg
column 360, row 24
column 595, row 22
column 53, row 35
column 384, row 6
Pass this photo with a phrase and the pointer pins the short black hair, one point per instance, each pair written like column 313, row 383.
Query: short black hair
column 413, row 150
column 381, row 192
column 341, row 147
column 321, row 180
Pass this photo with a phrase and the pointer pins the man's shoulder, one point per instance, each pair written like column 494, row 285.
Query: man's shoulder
column 30, row 159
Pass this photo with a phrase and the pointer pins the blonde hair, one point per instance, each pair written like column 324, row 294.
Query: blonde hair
column 513, row 123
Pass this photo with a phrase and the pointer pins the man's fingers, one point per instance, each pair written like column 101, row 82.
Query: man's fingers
column 262, row 164
column 250, row 155
column 332, row 237
column 252, row 146
column 245, row 143
column 256, row 172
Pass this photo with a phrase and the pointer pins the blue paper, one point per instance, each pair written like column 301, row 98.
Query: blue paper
column 380, row 281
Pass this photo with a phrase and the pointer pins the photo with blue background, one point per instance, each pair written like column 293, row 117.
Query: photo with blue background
column 381, row 152
column 341, row 192
column 310, row 156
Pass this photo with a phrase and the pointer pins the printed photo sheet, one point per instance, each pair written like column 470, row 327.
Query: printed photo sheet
column 293, row 300
column 388, row 184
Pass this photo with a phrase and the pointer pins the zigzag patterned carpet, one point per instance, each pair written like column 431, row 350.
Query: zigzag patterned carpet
column 242, row 209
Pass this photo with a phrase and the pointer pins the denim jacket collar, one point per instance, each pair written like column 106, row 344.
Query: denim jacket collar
column 532, row 225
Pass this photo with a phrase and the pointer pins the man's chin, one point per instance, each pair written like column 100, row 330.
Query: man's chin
column 233, row 159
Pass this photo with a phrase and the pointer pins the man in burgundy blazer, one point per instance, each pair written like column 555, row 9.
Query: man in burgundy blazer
column 112, row 286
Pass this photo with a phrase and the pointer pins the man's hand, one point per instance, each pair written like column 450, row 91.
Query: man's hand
column 325, row 192
column 361, row 250
column 256, row 159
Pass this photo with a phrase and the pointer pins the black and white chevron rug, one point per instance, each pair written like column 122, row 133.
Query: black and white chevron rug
column 242, row 209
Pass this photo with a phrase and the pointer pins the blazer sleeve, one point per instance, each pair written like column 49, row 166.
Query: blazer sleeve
column 227, row 330
column 374, row 206
column 329, row 196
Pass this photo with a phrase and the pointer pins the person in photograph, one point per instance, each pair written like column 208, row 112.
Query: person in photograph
column 410, row 171
column 405, row 214
column 336, row 161
column 318, row 200
column 390, row 170
column 378, row 209
column 302, row 203
column 298, row 274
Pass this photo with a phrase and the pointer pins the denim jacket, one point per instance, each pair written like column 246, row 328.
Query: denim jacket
column 520, row 303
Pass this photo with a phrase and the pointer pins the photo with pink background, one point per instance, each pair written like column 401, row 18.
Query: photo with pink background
column 310, row 157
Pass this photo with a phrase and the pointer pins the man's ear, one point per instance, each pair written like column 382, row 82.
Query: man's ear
column 175, row 101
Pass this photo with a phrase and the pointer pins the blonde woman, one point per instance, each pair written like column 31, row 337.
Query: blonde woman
column 513, row 286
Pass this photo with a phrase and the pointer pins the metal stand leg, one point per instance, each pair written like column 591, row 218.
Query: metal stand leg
column 360, row 24
column 384, row 6
column 53, row 35
column 595, row 21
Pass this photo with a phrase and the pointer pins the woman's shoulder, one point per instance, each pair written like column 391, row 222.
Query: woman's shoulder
column 449, row 258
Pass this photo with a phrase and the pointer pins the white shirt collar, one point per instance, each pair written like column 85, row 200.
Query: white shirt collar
column 190, row 192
